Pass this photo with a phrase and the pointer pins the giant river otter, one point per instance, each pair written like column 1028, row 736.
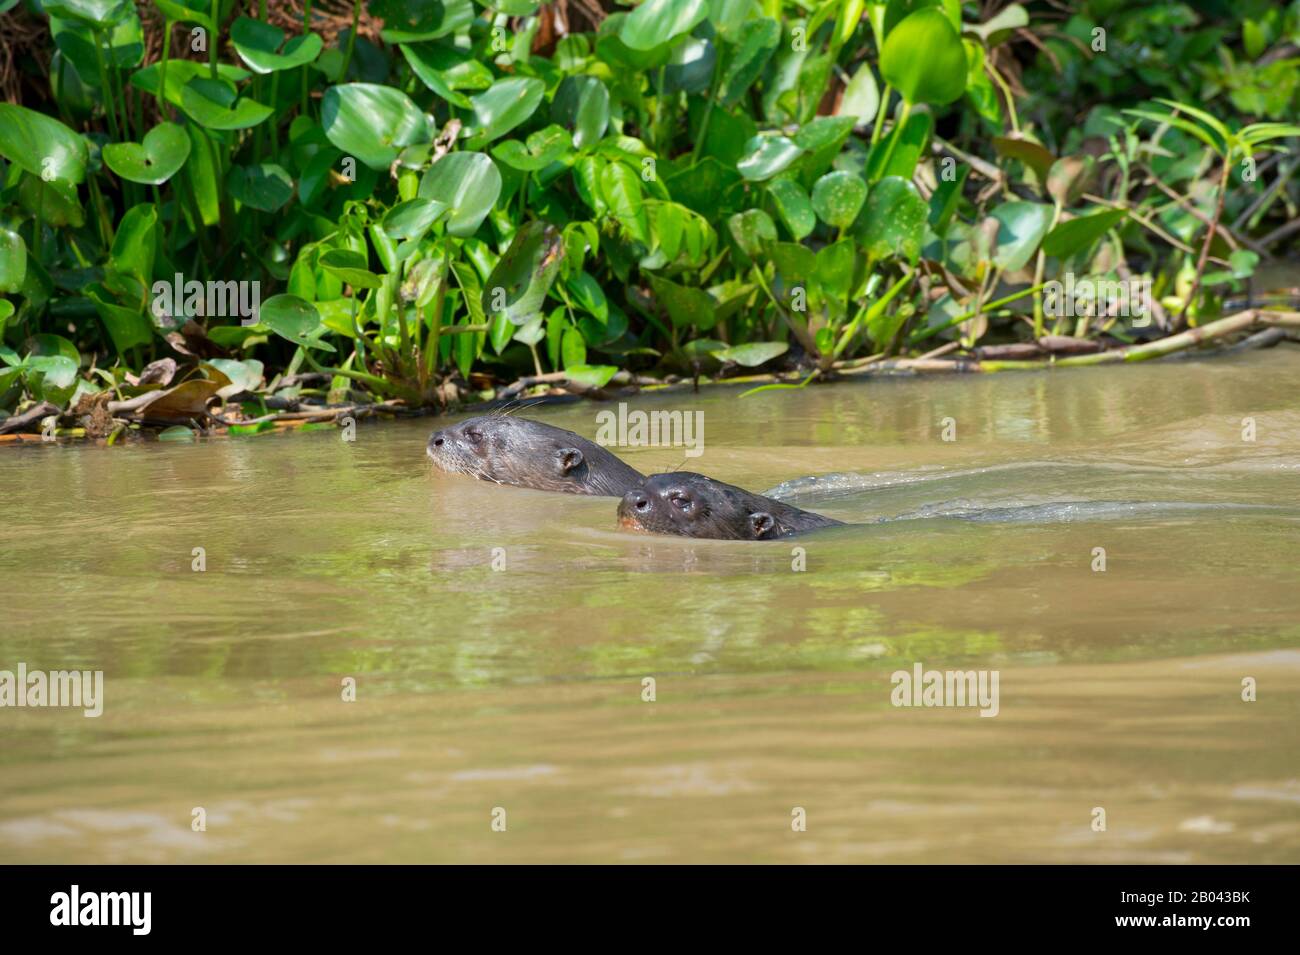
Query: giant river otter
column 692, row 505
column 528, row 453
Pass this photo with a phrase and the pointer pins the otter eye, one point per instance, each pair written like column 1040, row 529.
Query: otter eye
column 680, row 501
column 473, row 436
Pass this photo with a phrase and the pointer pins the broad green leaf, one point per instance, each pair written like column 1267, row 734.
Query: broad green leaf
column 752, row 229
column 13, row 261
column 97, row 13
column 447, row 69
column 152, row 162
column 687, row 306
column 1030, row 153
column 468, row 183
column 861, row 96
column 581, row 105
column 837, row 197
column 1068, row 238
column 758, row 40
column 657, row 21
column 371, row 122
column 217, row 105
column 503, row 107
column 752, row 354
column 924, row 60
column 294, row 319
column 135, row 243
column 41, row 145
column 350, row 266
column 767, row 155
column 259, row 45
column 893, row 220
column 409, row 21
column 265, row 186
column 522, row 277
column 540, row 150
column 410, row 220
column 793, row 206
column 1021, row 227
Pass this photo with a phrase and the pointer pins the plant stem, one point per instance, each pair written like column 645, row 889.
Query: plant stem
column 352, row 40
column 1209, row 239
column 212, row 40
column 1038, row 276
column 897, row 134
column 881, row 109
column 162, row 67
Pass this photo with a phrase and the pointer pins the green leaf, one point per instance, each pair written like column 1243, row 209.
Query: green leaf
column 924, row 60
column 503, row 107
column 468, row 183
column 1080, row 233
column 793, row 206
column 752, row 354
column 153, row 162
column 294, row 319
column 1030, row 153
column 658, row 21
column 758, row 41
column 266, row 186
column 593, row 376
column 408, row 21
column 752, row 229
column 1022, row 226
column 686, row 306
column 371, row 122
column 766, row 155
column 410, row 220
column 522, row 277
column 135, row 243
column 837, row 197
column 98, row 13
column 581, row 105
column 350, row 267
column 181, row 11
column 861, row 96
column 41, row 145
column 258, row 45
column 893, row 220
column 446, row 69
column 13, row 261
column 217, row 105
column 542, row 148
column 999, row 28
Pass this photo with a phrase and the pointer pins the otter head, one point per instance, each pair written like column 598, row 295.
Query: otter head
column 512, row 451
column 692, row 505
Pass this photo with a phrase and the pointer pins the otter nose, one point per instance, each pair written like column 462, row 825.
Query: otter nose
column 437, row 442
column 641, row 503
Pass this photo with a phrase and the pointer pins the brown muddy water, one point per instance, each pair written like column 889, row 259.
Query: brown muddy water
column 521, row 689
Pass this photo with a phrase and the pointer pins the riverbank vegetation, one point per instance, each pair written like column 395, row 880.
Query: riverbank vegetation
column 241, row 216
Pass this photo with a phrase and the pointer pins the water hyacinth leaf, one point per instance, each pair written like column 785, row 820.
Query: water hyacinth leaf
column 446, row 69
column 621, row 189
column 126, row 327
column 837, row 197
column 834, row 269
column 410, row 21
column 136, row 242
column 217, row 105
column 657, row 21
column 581, row 105
column 998, row 29
column 468, row 183
column 1021, row 227
column 892, row 221
column 1068, row 238
column 518, row 284
column 122, row 46
column 500, row 109
column 153, row 161
column 187, row 11
column 758, row 41
column 243, row 375
column 588, row 295
column 13, row 261
column 593, row 376
column 794, row 263
column 924, row 60
column 752, row 229
column 767, row 155
column 540, row 149
column 690, row 68
column 179, row 74
column 99, row 14
column 56, row 202
column 266, row 186
column 947, row 195
column 897, row 10
column 41, row 145
column 259, row 45
column 687, row 307
column 410, row 220
column 371, row 122
column 294, row 319
column 51, row 377
column 861, row 96
column 793, row 206
column 351, row 267
column 752, row 354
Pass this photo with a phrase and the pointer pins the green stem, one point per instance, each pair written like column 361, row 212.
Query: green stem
column 306, row 28
column 1038, row 276
column 897, row 134
column 212, row 40
column 352, row 40
column 880, row 114
column 107, row 88
column 162, row 68
column 922, row 334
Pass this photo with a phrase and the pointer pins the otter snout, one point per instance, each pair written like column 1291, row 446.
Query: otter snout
column 633, row 508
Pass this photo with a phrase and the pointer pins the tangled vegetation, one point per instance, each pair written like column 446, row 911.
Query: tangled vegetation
column 234, row 215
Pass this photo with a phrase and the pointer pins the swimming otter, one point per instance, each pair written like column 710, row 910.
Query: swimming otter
column 692, row 505
column 530, row 454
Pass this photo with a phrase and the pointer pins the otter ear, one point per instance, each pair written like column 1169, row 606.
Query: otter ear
column 570, row 459
column 762, row 523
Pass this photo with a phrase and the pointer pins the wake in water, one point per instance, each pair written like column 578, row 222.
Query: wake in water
column 1059, row 512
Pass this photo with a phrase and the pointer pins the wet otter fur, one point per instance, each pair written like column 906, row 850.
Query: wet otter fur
column 692, row 505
